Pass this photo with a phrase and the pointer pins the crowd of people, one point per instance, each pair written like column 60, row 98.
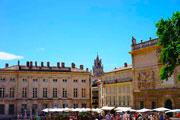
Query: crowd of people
column 107, row 115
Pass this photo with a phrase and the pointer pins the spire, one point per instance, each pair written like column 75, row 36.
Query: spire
column 97, row 67
column 97, row 56
column 133, row 40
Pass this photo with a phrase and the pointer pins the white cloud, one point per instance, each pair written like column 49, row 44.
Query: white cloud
column 9, row 56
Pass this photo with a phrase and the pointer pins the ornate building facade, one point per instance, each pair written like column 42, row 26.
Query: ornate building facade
column 30, row 88
column 149, row 90
column 116, row 87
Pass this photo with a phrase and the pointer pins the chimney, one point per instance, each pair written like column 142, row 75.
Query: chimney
column 42, row 64
column 125, row 64
column 31, row 63
column 87, row 70
column 6, row 65
column 35, row 63
column 27, row 63
column 62, row 64
column 48, row 64
column 81, row 67
column 73, row 65
column 18, row 62
column 58, row 64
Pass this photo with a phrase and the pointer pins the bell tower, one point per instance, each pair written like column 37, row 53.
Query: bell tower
column 98, row 67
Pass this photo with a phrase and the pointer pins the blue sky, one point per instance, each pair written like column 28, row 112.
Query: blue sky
column 76, row 30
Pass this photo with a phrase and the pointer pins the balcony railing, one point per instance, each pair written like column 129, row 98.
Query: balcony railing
column 118, row 80
column 145, row 44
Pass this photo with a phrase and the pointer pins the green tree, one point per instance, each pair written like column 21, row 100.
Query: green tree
column 168, row 32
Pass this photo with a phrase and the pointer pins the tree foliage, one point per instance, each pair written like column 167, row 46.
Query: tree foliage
column 168, row 32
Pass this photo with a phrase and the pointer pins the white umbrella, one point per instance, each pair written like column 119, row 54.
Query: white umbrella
column 52, row 109
column 175, row 110
column 59, row 109
column 84, row 109
column 76, row 109
column 88, row 109
column 132, row 110
column 118, row 111
column 161, row 109
column 46, row 110
column 96, row 110
column 107, row 108
column 144, row 110
column 122, row 109
column 67, row 109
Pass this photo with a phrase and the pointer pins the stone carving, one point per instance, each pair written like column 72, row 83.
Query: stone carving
column 146, row 80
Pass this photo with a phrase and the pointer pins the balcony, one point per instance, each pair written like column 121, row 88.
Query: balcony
column 118, row 80
column 145, row 44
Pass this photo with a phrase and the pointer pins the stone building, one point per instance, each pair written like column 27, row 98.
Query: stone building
column 30, row 88
column 149, row 90
column 116, row 87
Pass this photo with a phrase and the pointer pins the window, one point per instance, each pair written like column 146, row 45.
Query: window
column 45, row 80
column 141, row 104
column 114, row 100
column 54, row 80
column 84, row 105
column 110, row 99
column 75, row 92
column 64, row 93
column 65, row 80
column 75, row 105
column 119, row 100
column 128, row 100
column 75, row 81
column 83, row 81
column 24, row 92
column 34, row 92
column 35, row 80
column 153, row 105
column 124, row 100
column 2, row 92
column 2, row 79
column 12, row 92
column 45, row 105
column 83, row 92
column 2, row 109
column 54, row 92
column 34, row 108
column 12, row 79
column 65, row 105
column 23, row 108
column 24, row 80
column 11, row 109
column 45, row 92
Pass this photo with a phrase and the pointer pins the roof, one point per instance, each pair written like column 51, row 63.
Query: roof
column 120, row 69
column 42, row 69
